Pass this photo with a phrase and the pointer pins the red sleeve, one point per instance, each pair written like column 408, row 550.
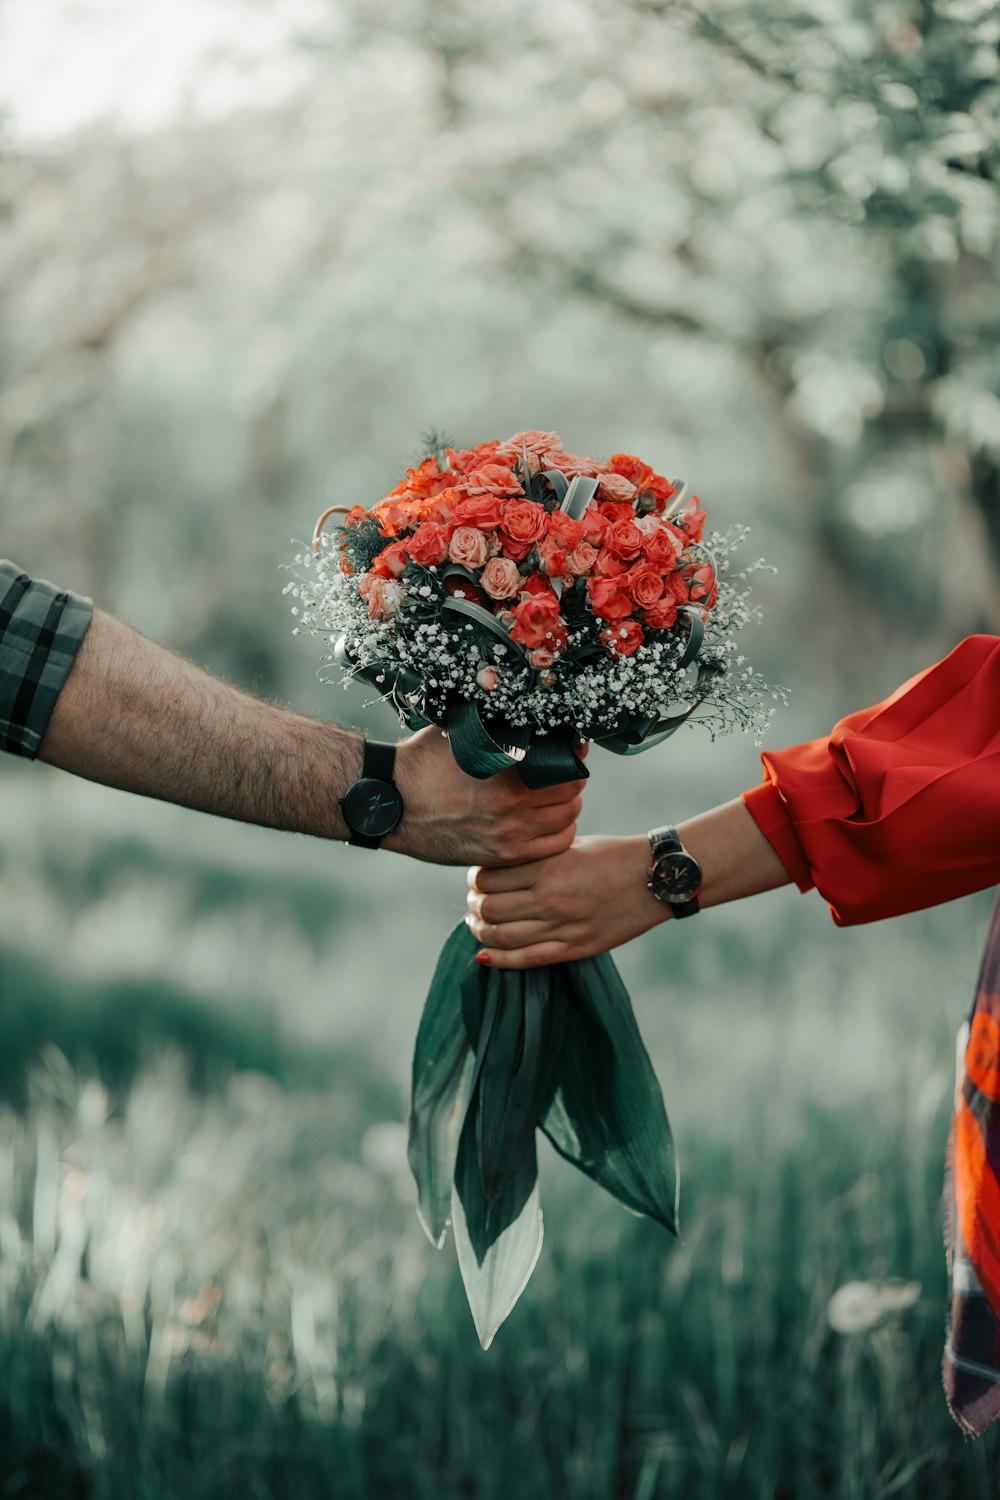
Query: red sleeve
column 899, row 808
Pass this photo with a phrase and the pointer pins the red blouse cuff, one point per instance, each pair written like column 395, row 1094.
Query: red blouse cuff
column 767, row 807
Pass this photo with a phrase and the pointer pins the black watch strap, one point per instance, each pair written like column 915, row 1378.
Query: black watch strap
column 379, row 760
column 667, row 840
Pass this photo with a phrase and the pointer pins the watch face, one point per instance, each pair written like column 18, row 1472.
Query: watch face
column 676, row 877
column 372, row 808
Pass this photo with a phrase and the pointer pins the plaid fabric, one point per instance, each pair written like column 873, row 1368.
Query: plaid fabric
column 971, row 1367
column 41, row 628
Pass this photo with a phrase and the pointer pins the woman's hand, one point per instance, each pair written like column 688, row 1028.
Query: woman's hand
column 587, row 900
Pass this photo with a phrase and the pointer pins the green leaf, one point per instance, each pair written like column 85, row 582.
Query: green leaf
column 493, row 1287
column 517, row 1043
column 474, row 748
column 607, row 1114
column 443, row 1068
column 550, row 761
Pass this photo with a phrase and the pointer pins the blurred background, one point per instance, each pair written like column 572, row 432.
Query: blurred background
column 249, row 252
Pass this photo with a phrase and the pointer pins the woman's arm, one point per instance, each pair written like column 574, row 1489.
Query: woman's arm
column 594, row 897
column 897, row 809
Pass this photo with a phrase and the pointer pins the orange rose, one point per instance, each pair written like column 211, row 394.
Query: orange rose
column 661, row 490
column 481, row 511
column 524, row 523
column 493, row 479
column 553, row 557
column 391, row 561
column 631, row 468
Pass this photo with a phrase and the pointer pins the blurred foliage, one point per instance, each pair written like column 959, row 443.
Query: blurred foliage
column 757, row 241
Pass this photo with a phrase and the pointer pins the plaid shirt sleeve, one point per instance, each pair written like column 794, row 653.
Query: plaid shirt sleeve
column 41, row 628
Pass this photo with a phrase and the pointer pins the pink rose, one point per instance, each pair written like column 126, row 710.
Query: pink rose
column 541, row 657
column 468, row 547
column 487, row 677
column 501, row 578
column 581, row 560
column 384, row 597
column 617, row 487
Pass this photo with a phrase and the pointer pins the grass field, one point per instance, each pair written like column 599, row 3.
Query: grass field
column 212, row 1281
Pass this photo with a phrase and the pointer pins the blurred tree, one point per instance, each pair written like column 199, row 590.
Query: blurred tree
column 767, row 232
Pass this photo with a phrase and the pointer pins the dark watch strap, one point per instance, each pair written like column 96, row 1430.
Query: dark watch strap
column 379, row 760
column 667, row 840
column 664, row 841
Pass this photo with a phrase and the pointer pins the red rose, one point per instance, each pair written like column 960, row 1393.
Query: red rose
column 693, row 520
column 493, row 479
column 537, row 622
column 391, row 561
column 676, row 586
column 701, row 584
column 631, row 468
column 480, row 511
column 537, row 583
column 594, row 526
column 428, row 545
column 607, row 565
column 625, row 539
column 662, row 548
column 644, row 585
column 554, row 558
column 608, row 601
column 612, row 511
column 663, row 614
column 661, row 490
column 566, row 531
column 524, row 523
column 623, row 639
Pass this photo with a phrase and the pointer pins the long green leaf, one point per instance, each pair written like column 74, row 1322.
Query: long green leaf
column 494, row 1286
column 516, row 1048
column 607, row 1114
column 443, row 1066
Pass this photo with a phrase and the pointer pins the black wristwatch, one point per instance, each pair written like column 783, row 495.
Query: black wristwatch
column 674, row 875
column 373, row 805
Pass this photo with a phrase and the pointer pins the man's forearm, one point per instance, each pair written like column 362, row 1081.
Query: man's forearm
column 136, row 716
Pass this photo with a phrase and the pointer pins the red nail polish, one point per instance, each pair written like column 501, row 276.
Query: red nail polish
column 483, row 958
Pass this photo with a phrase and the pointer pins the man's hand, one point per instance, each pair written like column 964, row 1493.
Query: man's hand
column 453, row 819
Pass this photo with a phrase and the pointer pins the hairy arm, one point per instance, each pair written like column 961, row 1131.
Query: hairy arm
column 136, row 716
column 594, row 897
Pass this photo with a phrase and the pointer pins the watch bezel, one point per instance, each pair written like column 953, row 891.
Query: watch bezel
column 669, row 893
column 358, row 796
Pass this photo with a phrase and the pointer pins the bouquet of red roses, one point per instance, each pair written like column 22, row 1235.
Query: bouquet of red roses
column 526, row 599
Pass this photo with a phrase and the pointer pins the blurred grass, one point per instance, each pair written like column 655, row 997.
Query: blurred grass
column 212, row 1281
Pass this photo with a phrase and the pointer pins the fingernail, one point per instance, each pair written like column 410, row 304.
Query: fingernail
column 483, row 958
